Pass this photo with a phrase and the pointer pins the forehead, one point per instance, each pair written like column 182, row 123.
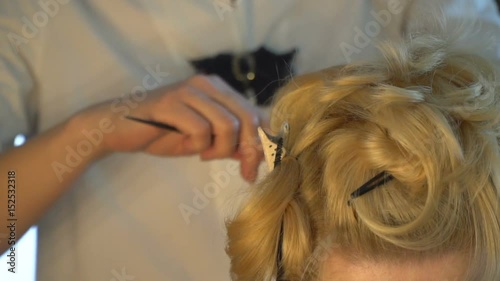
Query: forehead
column 449, row 267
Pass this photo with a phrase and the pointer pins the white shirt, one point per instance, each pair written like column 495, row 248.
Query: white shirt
column 122, row 220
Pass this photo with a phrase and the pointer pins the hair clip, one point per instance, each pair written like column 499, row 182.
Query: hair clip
column 273, row 146
column 373, row 183
column 274, row 152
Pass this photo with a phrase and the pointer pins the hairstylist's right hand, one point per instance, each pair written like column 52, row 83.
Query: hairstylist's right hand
column 215, row 121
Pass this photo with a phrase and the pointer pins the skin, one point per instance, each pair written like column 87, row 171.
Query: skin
column 215, row 121
column 448, row 267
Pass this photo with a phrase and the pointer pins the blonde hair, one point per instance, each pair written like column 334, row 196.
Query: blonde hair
column 427, row 115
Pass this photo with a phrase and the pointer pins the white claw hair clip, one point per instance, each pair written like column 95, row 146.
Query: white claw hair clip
column 273, row 145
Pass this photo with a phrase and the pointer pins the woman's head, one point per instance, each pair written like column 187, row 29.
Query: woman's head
column 424, row 114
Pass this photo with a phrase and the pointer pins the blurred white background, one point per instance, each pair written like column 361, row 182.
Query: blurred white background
column 25, row 259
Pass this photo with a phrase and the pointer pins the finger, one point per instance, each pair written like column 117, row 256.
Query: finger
column 247, row 115
column 170, row 144
column 225, row 126
column 265, row 117
column 193, row 125
column 250, row 156
column 245, row 154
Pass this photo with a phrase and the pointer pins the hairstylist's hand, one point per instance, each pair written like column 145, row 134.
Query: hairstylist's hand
column 215, row 121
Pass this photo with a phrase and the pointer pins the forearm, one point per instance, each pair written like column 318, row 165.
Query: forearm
column 44, row 168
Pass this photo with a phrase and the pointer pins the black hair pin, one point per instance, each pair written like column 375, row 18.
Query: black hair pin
column 154, row 123
column 378, row 180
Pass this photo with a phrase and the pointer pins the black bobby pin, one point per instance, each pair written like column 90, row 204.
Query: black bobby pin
column 375, row 182
column 279, row 256
column 154, row 123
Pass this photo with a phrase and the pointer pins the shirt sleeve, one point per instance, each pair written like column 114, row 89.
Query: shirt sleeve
column 17, row 98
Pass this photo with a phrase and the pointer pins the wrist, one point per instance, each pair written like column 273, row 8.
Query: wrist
column 84, row 136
